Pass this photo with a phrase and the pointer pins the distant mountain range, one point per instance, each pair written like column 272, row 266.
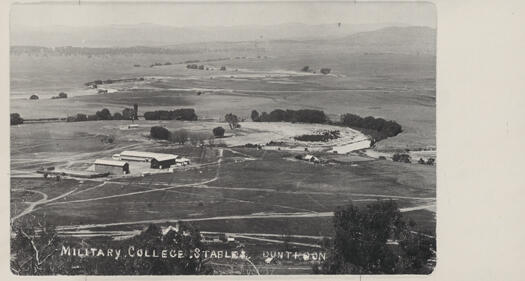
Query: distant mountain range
column 160, row 35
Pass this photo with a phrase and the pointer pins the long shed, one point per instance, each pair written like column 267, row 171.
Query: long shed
column 115, row 167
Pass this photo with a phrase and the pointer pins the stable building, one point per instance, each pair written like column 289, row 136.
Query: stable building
column 114, row 167
column 156, row 160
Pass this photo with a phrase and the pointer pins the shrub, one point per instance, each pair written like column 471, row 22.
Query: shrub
column 16, row 119
column 305, row 69
column 62, row 95
column 159, row 132
column 33, row 97
column 218, row 132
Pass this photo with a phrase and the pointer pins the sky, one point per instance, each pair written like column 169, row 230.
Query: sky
column 220, row 14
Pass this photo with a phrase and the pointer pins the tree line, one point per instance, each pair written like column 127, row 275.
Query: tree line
column 187, row 114
column 104, row 114
column 377, row 128
column 289, row 115
column 181, row 136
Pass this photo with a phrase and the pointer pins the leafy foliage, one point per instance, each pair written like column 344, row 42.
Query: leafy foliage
column 218, row 132
column 16, row 119
column 187, row 114
column 360, row 243
column 158, row 132
column 301, row 115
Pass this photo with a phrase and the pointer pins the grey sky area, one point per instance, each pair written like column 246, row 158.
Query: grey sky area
column 220, row 14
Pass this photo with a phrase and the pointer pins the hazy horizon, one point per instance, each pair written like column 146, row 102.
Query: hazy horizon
column 202, row 15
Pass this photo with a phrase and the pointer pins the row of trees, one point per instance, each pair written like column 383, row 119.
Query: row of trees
column 360, row 244
column 187, row 114
column 104, row 114
column 181, row 136
column 289, row 115
column 378, row 128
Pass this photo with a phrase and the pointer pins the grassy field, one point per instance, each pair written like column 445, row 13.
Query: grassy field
column 393, row 86
column 225, row 189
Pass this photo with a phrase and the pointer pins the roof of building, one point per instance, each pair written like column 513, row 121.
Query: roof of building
column 142, row 154
column 110, row 162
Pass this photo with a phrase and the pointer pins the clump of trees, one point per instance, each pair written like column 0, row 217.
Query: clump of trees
column 195, row 66
column 181, row 136
column 324, row 136
column 430, row 161
column 401, row 157
column 233, row 120
column 301, row 115
column 104, row 114
column 187, row 114
column 378, row 128
column 360, row 246
column 36, row 249
column 218, row 132
column 160, row 133
column 33, row 97
column 16, row 119
column 61, row 95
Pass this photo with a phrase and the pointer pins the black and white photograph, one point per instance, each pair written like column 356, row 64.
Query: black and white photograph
column 222, row 138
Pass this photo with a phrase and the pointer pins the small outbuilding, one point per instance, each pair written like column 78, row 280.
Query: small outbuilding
column 114, row 167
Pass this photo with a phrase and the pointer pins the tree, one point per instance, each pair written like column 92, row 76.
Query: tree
column 128, row 114
column 223, row 68
column 360, row 242
column 81, row 117
column 104, row 114
column 16, row 119
column 158, row 132
column 325, row 70
column 218, row 132
column 233, row 120
column 179, row 136
column 33, row 97
column 62, row 95
column 305, row 69
column 255, row 116
column 117, row 116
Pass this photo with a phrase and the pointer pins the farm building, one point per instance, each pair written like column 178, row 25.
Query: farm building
column 311, row 158
column 111, row 166
column 157, row 160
